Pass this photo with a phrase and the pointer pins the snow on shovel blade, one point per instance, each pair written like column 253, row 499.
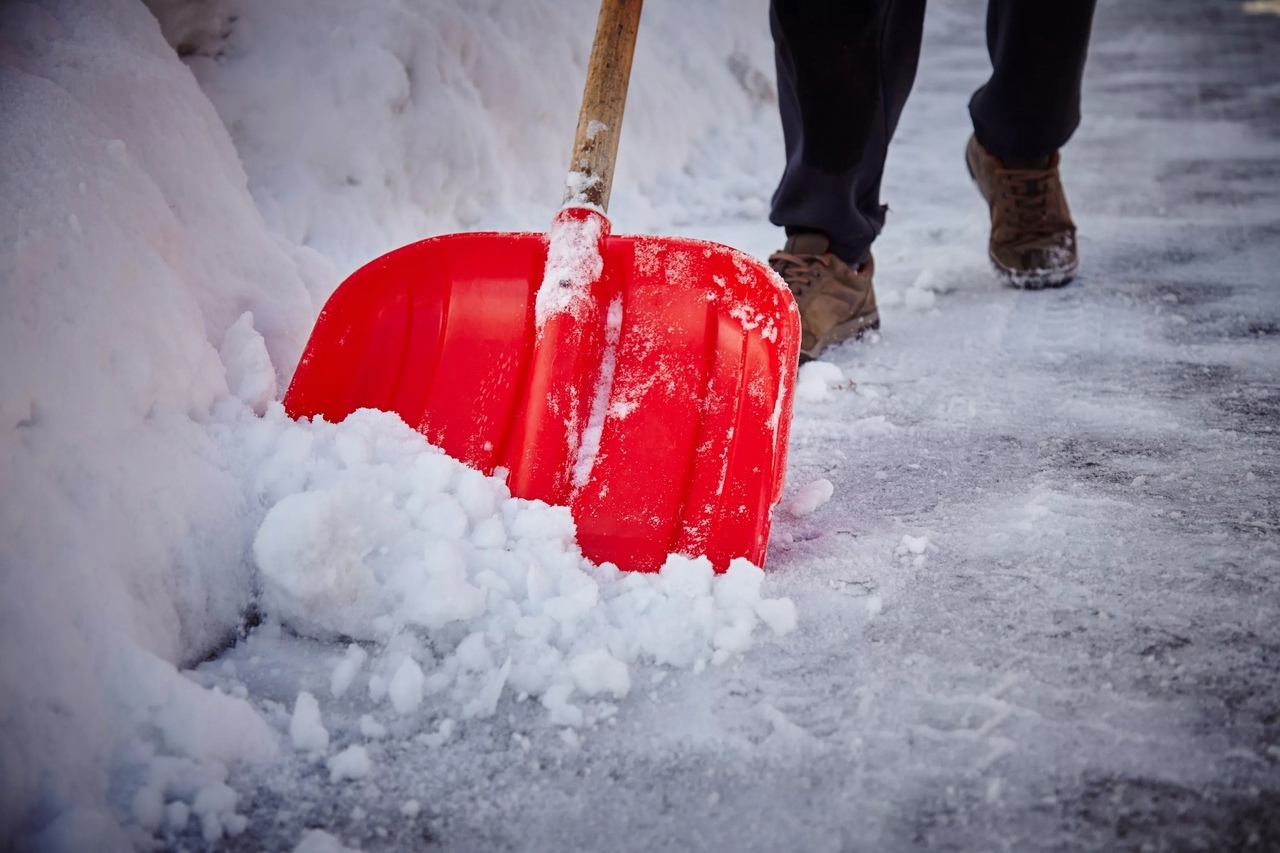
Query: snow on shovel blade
column 656, row 406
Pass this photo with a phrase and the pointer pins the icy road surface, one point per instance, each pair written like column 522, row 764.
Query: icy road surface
column 1041, row 610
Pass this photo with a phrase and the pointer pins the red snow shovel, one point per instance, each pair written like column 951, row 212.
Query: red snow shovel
column 644, row 382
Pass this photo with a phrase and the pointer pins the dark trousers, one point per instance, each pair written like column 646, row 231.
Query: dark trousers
column 844, row 72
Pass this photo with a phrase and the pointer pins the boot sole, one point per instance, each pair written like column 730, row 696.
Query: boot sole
column 831, row 341
column 1034, row 279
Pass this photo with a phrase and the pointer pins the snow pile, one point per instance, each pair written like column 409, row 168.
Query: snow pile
column 466, row 593
column 130, row 248
column 366, row 126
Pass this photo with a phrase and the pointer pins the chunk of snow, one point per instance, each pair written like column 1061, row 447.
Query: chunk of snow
column 440, row 592
column 816, row 380
column 779, row 614
column 485, row 702
column 888, row 298
column 475, row 493
column 685, row 577
column 312, row 561
column 598, row 671
column 352, row 763
column 739, row 586
column 215, row 807
column 306, row 731
column 921, row 296
column 911, row 545
column 250, row 375
column 346, row 670
column 176, row 815
column 371, row 728
column 809, row 497
column 319, row 841
column 148, row 808
column 406, row 687
column 563, row 712
column 734, row 637
column 205, row 725
column 920, row 300
column 439, row 737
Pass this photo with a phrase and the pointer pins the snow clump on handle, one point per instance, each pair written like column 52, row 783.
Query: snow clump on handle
column 462, row 593
column 573, row 265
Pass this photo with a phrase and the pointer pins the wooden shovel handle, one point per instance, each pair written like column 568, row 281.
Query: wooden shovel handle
column 595, row 145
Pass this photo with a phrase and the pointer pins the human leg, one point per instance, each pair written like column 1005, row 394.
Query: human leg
column 1021, row 117
column 844, row 73
column 1031, row 105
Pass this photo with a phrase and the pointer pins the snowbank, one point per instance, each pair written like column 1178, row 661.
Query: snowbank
column 365, row 126
column 130, row 247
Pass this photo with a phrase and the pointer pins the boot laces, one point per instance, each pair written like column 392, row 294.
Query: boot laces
column 1027, row 195
column 800, row 272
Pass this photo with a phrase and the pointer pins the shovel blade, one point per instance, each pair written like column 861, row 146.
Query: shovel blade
column 659, row 414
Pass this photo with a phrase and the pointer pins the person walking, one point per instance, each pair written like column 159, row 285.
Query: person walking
column 844, row 73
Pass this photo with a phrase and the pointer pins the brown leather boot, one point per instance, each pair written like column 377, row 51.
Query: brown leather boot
column 1033, row 240
column 836, row 301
